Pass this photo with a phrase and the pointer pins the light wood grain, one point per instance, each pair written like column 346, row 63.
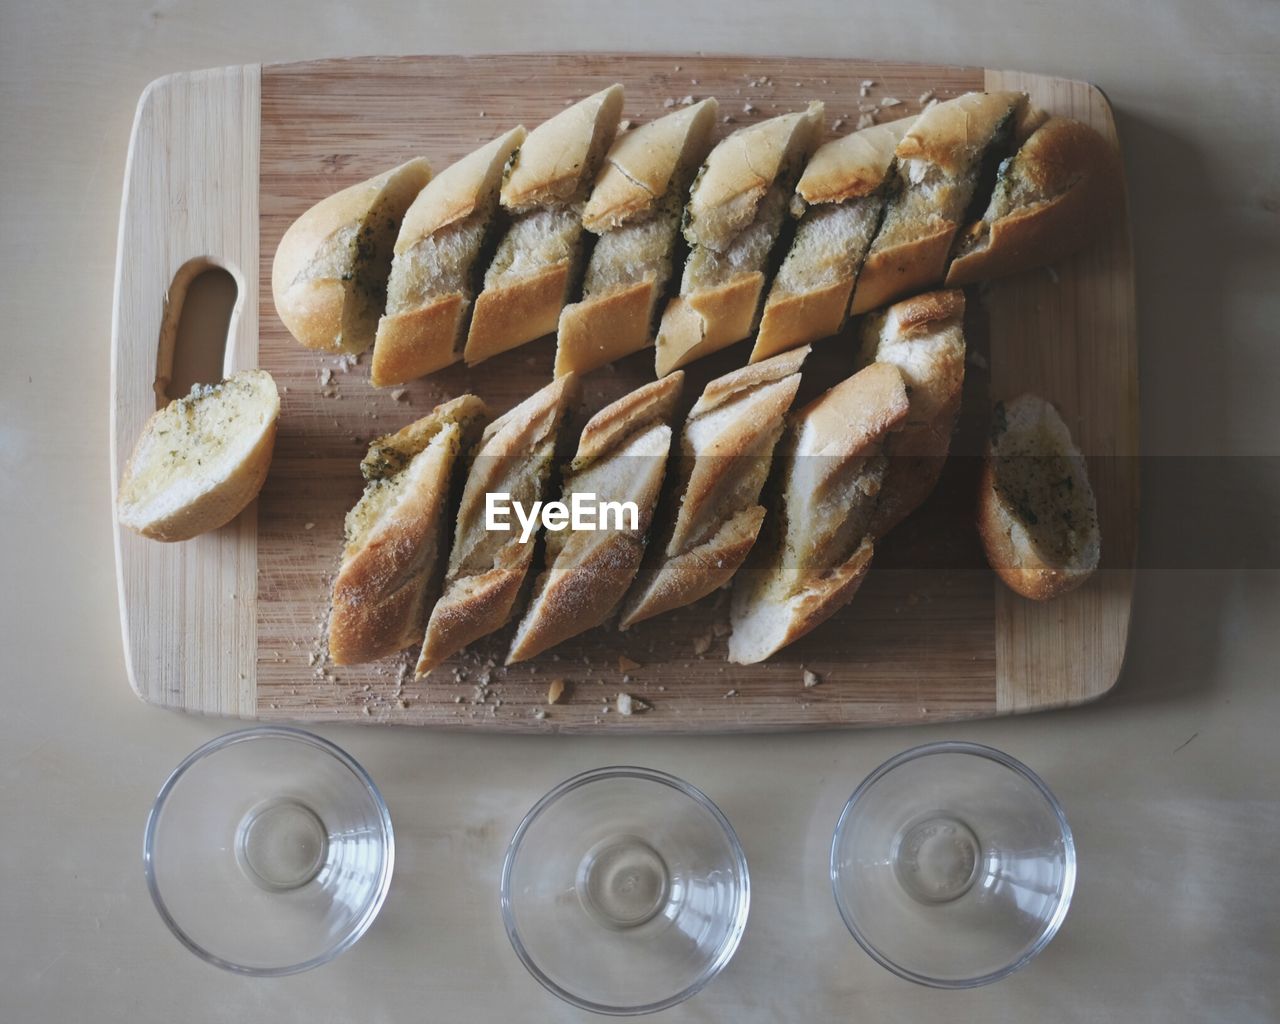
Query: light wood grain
column 929, row 637
column 187, row 611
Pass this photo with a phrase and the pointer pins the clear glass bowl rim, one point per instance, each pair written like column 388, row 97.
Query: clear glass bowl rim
column 246, row 735
column 1069, row 869
column 727, row 948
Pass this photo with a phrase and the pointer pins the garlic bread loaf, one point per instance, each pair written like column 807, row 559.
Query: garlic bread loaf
column 710, row 518
column 1036, row 512
column 329, row 275
column 621, row 458
column 635, row 208
column 1058, row 192
column 941, row 162
column 432, row 283
column 538, row 260
column 734, row 218
column 397, row 535
column 924, row 338
column 488, row 567
column 201, row 459
column 817, row 547
column 840, row 200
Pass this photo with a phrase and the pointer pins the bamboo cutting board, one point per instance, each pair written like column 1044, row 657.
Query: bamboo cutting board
column 231, row 623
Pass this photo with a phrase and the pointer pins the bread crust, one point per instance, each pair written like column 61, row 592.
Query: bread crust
column 852, row 166
column 740, row 171
column 1010, row 551
column 1075, row 179
column 521, row 310
column 601, row 330
column 459, row 190
column 924, row 338
column 642, row 163
column 485, row 575
column 214, row 503
column 313, row 273
column 827, row 477
column 382, row 591
column 555, row 161
column 588, row 573
column 902, row 269
column 948, row 134
column 411, row 345
column 712, row 515
column 706, row 321
column 798, row 318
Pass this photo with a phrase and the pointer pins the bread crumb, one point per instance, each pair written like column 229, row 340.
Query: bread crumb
column 727, row 119
column 864, row 121
column 702, row 644
column 933, row 102
column 732, row 693
column 837, row 124
column 811, row 679
column 629, row 705
column 555, row 691
column 624, row 125
column 890, row 101
column 626, row 664
column 308, row 526
column 720, row 629
column 668, row 103
column 539, row 714
column 925, row 97
column 686, row 101
column 747, row 108
column 865, row 87
column 677, row 67
column 398, row 395
column 457, row 699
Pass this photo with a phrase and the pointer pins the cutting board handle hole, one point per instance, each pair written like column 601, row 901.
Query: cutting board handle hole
column 199, row 308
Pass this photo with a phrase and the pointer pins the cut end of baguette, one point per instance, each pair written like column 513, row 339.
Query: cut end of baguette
column 1036, row 511
column 521, row 310
column 201, row 459
column 1060, row 191
column 890, row 273
column 329, row 274
column 413, row 344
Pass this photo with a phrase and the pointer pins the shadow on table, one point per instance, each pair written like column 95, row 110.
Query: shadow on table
column 1209, row 522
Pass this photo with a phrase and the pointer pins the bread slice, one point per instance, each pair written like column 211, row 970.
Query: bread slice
column 1056, row 194
column 840, row 200
column 710, row 518
column 487, row 567
column 1036, row 512
column 635, row 208
column 431, row 288
column 733, row 221
column 819, row 545
column 201, row 459
column 396, row 535
column 621, row 458
column 539, row 258
column 924, row 338
column 329, row 275
column 942, row 162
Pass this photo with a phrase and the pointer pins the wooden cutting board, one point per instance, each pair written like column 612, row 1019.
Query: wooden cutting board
column 231, row 623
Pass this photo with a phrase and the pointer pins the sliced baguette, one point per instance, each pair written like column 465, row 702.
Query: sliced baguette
column 396, row 535
column 710, row 518
column 924, row 338
column 329, row 275
column 819, row 546
column 635, row 208
column 621, row 458
column 1056, row 194
column 431, row 288
column 733, row 221
column 201, row 459
column 539, row 258
column 840, row 199
column 1036, row 511
column 487, row 567
column 941, row 164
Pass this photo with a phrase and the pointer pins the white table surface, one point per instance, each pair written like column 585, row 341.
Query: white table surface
column 1172, row 784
